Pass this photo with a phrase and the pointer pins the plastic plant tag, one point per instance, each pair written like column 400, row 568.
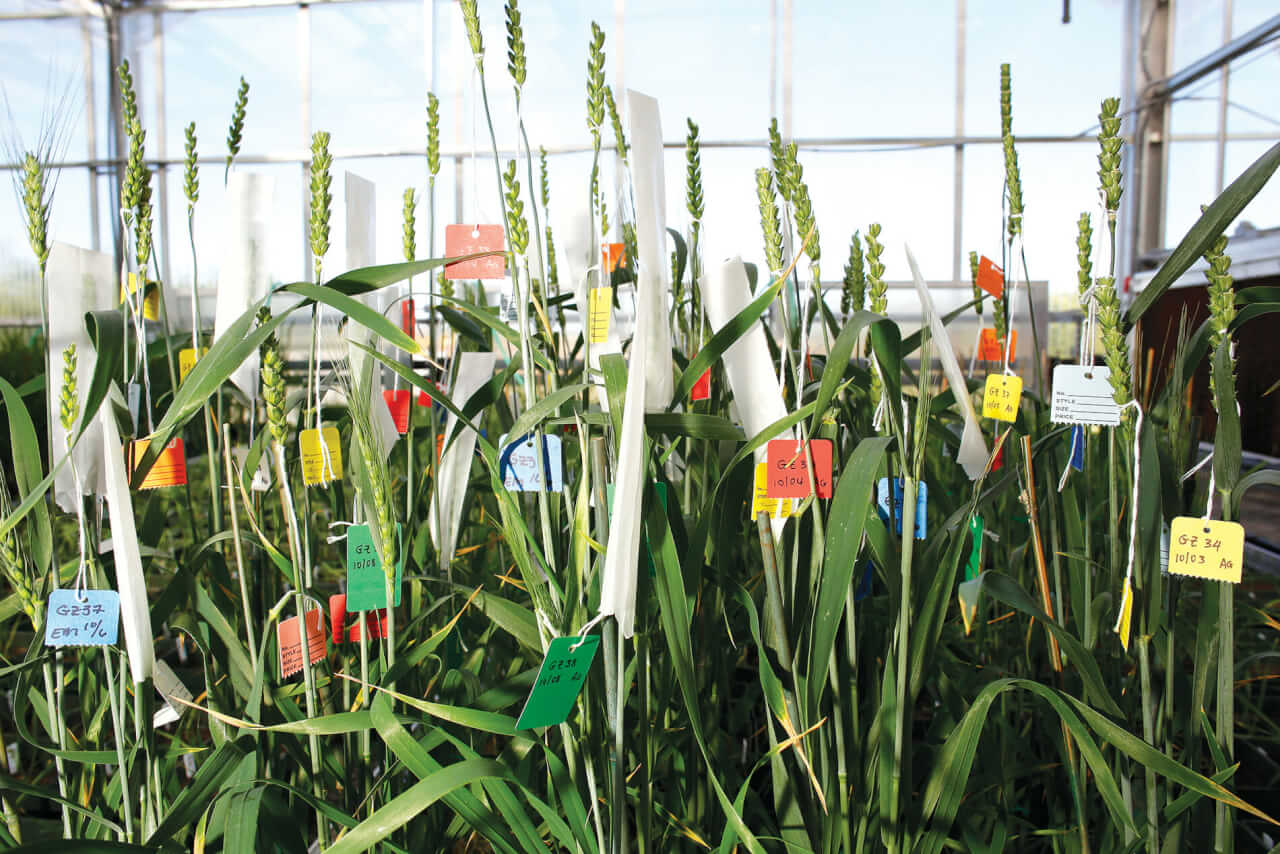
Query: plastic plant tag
column 1083, row 395
column 518, row 464
column 1164, row 548
column 398, row 401
column 600, row 308
column 702, row 388
column 1125, row 619
column 973, row 567
column 408, row 317
column 967, row 593
column 1077, row 448
column 863, row 590
column 762, row 502
column 611, row 255
column 366, row 583
column 82, row 618
column 374, row 621
column 1206, row 549
column 990, row 277
column 150, row 302
column 789, row 470
column 559, row 681
column 289, row 645
column 922, row 501
column 337, row 616
column 187, row 361
column 170, row 468
column 997, row 461
column 1001, row 396
column 321, row 455
column 991, row 348
column 169, row 686
column 462, row 240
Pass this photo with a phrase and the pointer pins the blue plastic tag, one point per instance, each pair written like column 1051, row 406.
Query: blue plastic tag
column 863, row 590
column 922, row 503
column 518, row 463
column 82, row 618
column 1077, row 447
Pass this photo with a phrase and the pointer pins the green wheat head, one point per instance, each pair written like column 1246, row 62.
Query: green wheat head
column 1084, row 255
column 805, row 221
column 1222, row 297
column 321, row 197
column 517, row 226
column 778, row 154
column 35, row 207
column 693, row 176
column 878, row 292
column 235, row 133
column 854, row 296
column 68, row 400
column 471, row 18
column 409, row 232
column 516, row 60
column 190, row 170
column 620, row 138
column 1110, row 143
column 770, row 224
column 273, row 385
column 433, row 135
column 1110, row 321
column 595, row 84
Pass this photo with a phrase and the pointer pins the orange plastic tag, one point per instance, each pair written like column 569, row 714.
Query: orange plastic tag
column 408, row 318
column 170, row 468
column 1001, row 397
column 289, row 644
column 375, row 621
column 702, row 388
column 611, row 255
column 439, row 446
column 760, row 500
column 789, row 469
column 600, row 306
column 321, row 455
column 187, row 361
column 398, row 401
column 462, row 240
column 991, row 348
column 990, row 277
column 1211, row 550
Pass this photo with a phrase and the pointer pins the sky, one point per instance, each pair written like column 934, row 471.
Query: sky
column 859, row 69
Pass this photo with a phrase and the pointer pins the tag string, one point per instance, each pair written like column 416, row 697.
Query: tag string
column 1012, row 304
column 80, row 582
column 1133, row 508
column 582, row 633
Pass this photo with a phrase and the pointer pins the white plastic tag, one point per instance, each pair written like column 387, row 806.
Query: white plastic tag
column 1083, row 395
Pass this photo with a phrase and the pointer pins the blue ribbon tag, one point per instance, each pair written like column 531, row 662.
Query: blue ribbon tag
column 1077, row 447
column 922, row 502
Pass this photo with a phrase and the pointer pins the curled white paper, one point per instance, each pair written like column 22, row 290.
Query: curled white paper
column 80, row 281
column 135, row 615
column 972, row 455
column 653, row 264
column 474, row 370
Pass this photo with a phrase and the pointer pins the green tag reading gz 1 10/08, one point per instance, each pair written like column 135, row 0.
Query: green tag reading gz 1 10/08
column 560, row 680
column 366, row 585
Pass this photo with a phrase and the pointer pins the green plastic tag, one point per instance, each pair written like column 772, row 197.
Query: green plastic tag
column 366, row 585
column 560, row 680
column 974, row 566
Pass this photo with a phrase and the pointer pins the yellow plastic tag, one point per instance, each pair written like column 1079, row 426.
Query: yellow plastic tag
column 1212, row 550
column 1126, row 615
column 187, row 361
column 760, row 501
column 1000, row 399
column 150, row 303
column 321, row 456
column 600, row 305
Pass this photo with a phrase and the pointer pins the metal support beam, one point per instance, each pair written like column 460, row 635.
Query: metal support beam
column 1212, row 61
column 1151, row 154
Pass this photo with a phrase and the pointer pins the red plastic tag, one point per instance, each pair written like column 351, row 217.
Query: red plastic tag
column 788, row 472
column 462, row 240
column 290, row 646
column 997, row 462
column 170, row 468
column 990, row 277
column 991, row 348
column 375, row 621
column 408, row 318
column 337, row 615
column 702, row 388
column 398, row 401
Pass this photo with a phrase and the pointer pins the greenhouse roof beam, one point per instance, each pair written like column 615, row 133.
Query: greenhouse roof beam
column 1265, row 32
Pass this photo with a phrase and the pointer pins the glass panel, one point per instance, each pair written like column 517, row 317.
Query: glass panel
column 1264, row 210
column 1188, row 185
column 1061, row 72
column 1254, row 107
column 42, row 66
column 1197, row 30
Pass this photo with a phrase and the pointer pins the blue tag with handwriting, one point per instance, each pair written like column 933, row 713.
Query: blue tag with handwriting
column 922, row 502
column 82, row 618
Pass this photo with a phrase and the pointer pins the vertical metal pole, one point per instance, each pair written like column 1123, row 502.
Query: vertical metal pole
column 115, row 139
column 1223, row 86
column 162, row 172
column 1126, row 234
column 957, row 233
column 91, row 130
column 1153, row 124
column 304, row 85
column 773, row 58
column 458, row 57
